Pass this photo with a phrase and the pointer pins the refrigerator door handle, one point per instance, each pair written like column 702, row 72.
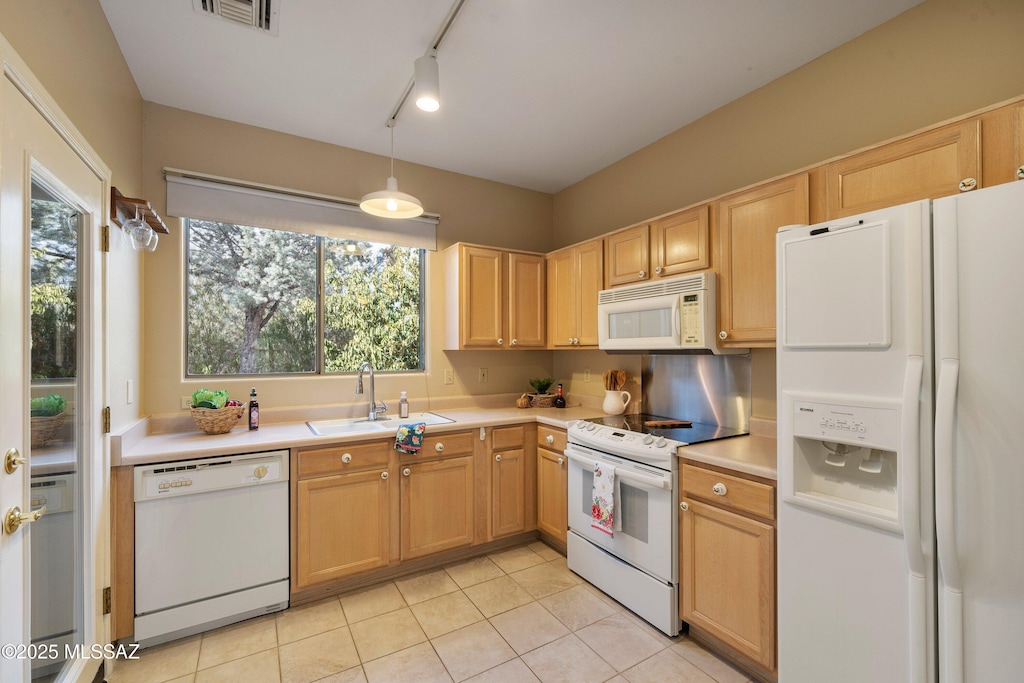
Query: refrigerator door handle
column 910, row 487
column 952, row 590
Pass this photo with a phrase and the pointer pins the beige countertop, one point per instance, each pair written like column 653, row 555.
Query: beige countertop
column 754, row 454
column 140, row 446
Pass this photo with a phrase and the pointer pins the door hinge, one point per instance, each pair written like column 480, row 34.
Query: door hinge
column 105, row 238
column 106, row 600
column 106, row 420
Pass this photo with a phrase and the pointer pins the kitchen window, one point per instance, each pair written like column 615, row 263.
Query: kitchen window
column 270, row 301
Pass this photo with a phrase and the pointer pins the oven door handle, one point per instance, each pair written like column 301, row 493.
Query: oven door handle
column 650, row 482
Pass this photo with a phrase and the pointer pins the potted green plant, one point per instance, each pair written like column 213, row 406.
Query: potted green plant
column 542, row 399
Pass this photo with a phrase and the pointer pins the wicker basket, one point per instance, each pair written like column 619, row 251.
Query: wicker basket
column 542, row 400
column 44, row 429
column 217, row 420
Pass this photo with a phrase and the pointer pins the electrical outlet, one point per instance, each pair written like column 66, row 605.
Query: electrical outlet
column 482, row 375
column 586, row 374
column 185, row 400
column 449, row 376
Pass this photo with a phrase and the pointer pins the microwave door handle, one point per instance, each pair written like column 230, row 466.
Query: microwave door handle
column 649, row 482
column 677, row 322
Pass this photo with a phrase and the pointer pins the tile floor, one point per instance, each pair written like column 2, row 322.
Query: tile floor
column 516, row 615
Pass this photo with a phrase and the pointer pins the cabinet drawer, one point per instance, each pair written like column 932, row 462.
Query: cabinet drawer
column 453, row 443
column 317, row 462
column 739, row 494
column 508, row 437
column 551, row 438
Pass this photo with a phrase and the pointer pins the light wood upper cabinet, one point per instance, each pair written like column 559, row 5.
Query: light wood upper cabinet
column 436, row 506
column 668, row 246
column 1019, row 141
column 746, row 226
column 933, row 164
column 527, row 301
column 727, row 562
column 627, row 256
column 679, row 243
column 552, row 484
column 575, row 276
column 493, row 298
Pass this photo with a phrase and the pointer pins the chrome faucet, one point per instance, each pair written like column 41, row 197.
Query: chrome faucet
column 375, row 407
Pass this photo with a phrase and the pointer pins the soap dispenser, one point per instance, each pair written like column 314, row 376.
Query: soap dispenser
column 403, row 405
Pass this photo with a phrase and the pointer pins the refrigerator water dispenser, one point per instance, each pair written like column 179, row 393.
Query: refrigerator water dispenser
column 846, row 462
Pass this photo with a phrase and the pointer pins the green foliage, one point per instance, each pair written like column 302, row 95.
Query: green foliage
column 53, row 291
column 204, row 398
column 541, row 385
column 46, row 406
column 252, row 305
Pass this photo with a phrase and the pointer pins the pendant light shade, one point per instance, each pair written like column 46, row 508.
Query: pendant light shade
column 428, row 89
column 389, row 202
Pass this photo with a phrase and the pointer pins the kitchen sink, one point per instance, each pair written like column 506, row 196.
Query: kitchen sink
column 360, row 425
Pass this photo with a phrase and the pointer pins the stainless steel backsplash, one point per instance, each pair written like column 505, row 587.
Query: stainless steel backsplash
column 698, row 387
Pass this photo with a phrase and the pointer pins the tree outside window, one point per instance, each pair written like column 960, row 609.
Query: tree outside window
column 253, row 307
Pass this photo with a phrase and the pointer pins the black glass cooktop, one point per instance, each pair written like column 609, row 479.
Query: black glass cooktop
column 668, row 427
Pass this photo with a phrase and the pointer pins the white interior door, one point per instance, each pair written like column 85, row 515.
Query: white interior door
column 51, row 207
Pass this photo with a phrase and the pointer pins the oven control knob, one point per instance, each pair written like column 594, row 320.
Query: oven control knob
column 647, row 440
column 591, row 426
column 580, row 424
column 660, row 443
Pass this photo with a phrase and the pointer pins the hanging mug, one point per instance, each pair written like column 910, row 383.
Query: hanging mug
column 615, row 402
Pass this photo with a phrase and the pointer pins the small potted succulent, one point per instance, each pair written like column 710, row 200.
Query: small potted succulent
column 542, row 399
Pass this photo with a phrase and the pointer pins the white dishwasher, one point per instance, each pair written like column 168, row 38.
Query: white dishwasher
column 211, row 543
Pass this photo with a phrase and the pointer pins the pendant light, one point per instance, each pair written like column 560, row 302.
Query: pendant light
column 389, row 202
column 427, row 88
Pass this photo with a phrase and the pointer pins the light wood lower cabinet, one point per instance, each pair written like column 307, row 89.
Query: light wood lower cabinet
column 508, row 480
column 727, row 563
column 436, row 506
column 344, row 526
column 552, row 504
column 341, row 523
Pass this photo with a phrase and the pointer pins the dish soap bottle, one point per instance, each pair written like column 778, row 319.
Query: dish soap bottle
column 254, row 410
column 559, row 399
column 403, row 405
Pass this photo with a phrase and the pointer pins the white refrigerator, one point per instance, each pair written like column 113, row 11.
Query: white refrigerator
column 900, row 539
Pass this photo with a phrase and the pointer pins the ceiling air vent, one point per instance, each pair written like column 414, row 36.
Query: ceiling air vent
column 261, row 14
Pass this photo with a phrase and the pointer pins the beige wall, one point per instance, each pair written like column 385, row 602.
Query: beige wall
column 70, row 48
column 471, row 209
column 942, row 59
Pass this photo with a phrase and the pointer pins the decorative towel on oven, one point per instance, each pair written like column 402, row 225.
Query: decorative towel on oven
column 409, row 438
column 603, row 510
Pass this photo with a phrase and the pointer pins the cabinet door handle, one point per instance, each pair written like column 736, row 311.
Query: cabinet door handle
column 719, row 489
column 658, row 270
column 347, row 458
column 642, row 273
column 723, row 335
column 549, row 438
column 439, row 447
column 500, row 341
column 968, row 184
column 515, row 342
column 684, row 506
column 561, row 461
column 575, row 340
column 1020, row 172
column 406, row 472
column 497, row 458
column 383, row 475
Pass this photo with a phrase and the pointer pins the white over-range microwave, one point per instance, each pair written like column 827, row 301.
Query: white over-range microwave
column 668, row 315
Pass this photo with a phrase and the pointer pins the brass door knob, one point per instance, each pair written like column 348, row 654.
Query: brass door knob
column 12, row 459
column 15, row 518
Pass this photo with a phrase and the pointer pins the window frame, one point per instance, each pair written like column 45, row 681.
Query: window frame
column 320, row 363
